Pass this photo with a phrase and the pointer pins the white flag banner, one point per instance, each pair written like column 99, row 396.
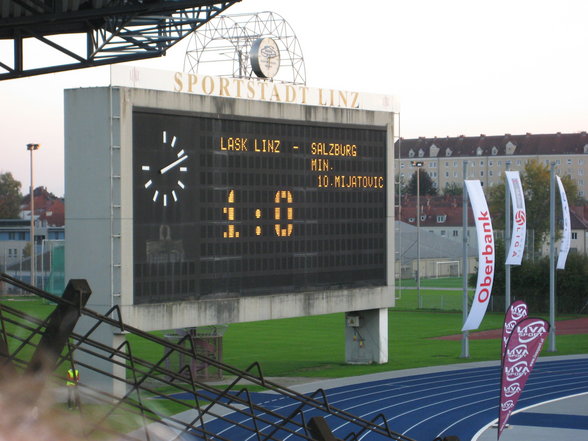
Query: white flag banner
column 564, row 247
column 485, row 255
column 519, row 219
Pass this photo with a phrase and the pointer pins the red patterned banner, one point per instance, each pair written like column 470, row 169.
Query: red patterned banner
column 522, row 349
column 516, row 312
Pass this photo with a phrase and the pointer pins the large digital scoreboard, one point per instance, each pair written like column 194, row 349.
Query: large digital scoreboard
column 198, row 200
column 229, row 206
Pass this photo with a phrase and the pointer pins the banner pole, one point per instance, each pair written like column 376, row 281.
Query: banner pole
column 507, row 238
column 465, row 347
column 551, row 347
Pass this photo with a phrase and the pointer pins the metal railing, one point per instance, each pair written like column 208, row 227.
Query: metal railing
column 161, row 400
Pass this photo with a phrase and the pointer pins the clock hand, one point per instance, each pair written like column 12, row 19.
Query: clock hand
column 173, row 164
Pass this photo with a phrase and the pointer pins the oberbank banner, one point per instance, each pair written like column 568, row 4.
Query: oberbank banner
column 522, row 349
column 564, row 247
column 519, row 219
column 485, row 255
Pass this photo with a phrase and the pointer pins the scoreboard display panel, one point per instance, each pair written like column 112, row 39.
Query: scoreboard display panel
column 232, row 206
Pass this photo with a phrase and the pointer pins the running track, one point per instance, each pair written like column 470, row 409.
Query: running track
column 451, row 402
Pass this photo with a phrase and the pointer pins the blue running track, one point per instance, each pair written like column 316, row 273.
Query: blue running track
column 422, row 407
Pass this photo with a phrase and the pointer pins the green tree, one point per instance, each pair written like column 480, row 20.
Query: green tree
column 535, row 179
column 10, row 196
column 453, row 189
column 426, row 186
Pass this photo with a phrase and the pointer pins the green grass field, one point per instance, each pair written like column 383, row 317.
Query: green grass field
column 442, row 282
column 314, row 346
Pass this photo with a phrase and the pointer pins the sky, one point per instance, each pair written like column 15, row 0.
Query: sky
column 457, row 67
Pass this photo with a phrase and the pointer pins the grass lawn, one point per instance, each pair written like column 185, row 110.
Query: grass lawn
column 314, row 346
column 442, row 282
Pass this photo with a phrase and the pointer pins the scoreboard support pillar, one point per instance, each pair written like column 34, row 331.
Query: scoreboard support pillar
column 366, row 336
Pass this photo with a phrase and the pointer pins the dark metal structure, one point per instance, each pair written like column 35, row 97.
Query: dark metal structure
column 43, row 346
column 99, row 32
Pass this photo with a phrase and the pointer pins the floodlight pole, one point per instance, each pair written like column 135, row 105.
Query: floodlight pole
column 31, row 148
column 418, row 165
column 507, row 238
column 465, row 345
column 551, row 347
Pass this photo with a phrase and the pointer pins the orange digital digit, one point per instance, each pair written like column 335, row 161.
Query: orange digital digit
column 230, row 212
column 281, row 230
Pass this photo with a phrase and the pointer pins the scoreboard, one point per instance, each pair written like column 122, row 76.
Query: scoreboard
column 196, row 200
column 227, row 206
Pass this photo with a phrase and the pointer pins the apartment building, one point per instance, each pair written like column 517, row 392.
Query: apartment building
column 488, row 156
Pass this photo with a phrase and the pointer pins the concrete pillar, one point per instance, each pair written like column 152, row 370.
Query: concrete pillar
column 366, row 336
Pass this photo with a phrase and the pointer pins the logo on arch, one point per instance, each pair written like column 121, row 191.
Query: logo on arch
column 520, row 217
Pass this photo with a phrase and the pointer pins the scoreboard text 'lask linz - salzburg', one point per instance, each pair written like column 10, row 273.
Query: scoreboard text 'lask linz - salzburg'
column 227, row 207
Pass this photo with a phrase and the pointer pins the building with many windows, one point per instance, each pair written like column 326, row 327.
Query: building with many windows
column 487, row 157
column 442, row 216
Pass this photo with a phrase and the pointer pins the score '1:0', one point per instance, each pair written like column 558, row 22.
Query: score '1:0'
column 280, row 230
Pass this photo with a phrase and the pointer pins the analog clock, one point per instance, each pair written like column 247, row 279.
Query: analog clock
column 265, row 57
column 165, row 180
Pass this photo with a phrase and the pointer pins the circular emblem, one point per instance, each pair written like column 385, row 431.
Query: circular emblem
column 520, row 217
column 265, row 57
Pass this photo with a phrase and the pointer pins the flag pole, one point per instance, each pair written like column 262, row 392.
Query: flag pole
column 551, row 347
column 507, row 238
column 465, row 347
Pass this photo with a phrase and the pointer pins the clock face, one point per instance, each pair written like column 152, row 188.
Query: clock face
column 165, row 179
column 265, row 57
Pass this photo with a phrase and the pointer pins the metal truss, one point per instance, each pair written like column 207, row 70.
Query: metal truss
column 116, row 32
column 42, row 348
column 222, row 47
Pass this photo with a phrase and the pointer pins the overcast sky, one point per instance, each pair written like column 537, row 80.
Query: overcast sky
column 458, row 67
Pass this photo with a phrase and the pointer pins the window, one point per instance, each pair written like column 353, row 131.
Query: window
column 433, row 165
column 446, row 163
column 580, row 172
column 574, row 235
column 490, row 163
column 569, row 161
column 490, row 173
column 402, row 165
column 455, row 233
column 443, row 233
column 519, row 162
column 446, row 174
column 481, row 172
column 481, row 163
column 580, row 162
column 441, row 218
column 423, row 217
column 411, row 219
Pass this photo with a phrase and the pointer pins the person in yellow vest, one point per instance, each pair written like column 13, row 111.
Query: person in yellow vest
column 73, row 378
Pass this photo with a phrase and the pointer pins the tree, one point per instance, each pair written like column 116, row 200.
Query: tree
column 536, row 187
column 453, row 189
column 10, row 196
column 425, row 185
column 529, row 283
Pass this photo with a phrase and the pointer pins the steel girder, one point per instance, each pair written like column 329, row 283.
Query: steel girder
column 119, row 31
